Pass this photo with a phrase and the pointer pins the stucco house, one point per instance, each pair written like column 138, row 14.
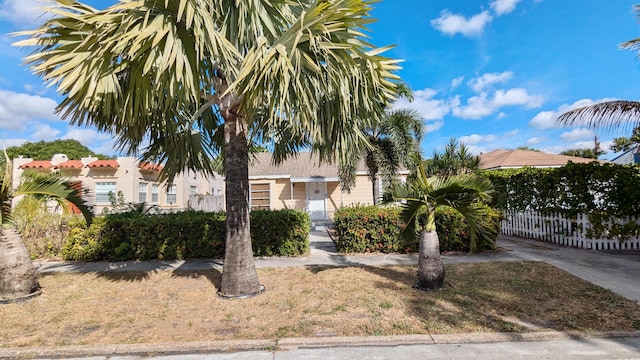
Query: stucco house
column 137, row 181
column 302, row 183
column 513, row 159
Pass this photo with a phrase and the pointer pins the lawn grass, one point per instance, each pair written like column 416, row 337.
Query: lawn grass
column 173, row 306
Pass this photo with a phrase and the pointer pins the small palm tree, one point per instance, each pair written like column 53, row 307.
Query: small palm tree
column 422, row 197
column 456, row 159
column 18, row 279
column 390, row 143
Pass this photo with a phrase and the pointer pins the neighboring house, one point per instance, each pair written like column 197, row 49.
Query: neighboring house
column 513, row 159
column 301, row 183
column 136, row 181
column 631, row 156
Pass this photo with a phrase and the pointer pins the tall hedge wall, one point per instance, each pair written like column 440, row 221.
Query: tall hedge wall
column 575, row 188
column 191, row 234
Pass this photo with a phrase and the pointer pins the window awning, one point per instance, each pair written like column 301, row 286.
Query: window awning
column 315, row 179
column 37, row 164
column 104, row 164
column 70, row 164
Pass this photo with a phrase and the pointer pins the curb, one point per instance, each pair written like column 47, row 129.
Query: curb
column 229, row 346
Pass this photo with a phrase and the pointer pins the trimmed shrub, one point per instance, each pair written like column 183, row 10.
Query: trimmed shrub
column 368, row 229
column 362, row 229
column 190, row 234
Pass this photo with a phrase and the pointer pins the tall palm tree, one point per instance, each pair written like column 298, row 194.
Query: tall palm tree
column 197, row 78
column 388, row 144
column 421, row 198
column 18, row 279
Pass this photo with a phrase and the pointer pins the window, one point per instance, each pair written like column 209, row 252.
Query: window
column 154, row 193
column 103, row 190
column 193, row 190
column 260, row 197
column 171, row 193
column 142, row 192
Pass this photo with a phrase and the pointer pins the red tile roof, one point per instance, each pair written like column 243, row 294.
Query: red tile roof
column 149, row 167
column 70, row 164
column 37, row 164
column 104, row 164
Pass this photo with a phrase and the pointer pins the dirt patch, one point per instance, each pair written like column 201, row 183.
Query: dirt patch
column 173, row 306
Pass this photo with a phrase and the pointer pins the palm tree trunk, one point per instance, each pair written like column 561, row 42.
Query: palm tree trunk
column 430, row 268
column 375, row 185
column 239, row 276
column 18, row 279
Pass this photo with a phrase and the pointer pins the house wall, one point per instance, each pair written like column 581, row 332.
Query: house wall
column 127, row 177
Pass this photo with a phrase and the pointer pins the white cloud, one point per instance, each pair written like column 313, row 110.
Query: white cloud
column 425, row 104
column 452, row 24
column 99, row 142
column 576, row 134
column 5, row 143
column 547, row 119
column 480, row 83
column 501, row 7
column 456, row 82
column 44, row 132
column 18, row 109
column 23, row 12
column 482, row 105
column 516, row 96
column 475, row 139
column 434, row 126
column 534, row 141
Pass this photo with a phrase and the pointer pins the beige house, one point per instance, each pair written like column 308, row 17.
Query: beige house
column 513, row 159
column 136, row 181
column 303, row 183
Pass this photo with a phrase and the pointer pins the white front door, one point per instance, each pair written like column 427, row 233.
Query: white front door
column 317, row 200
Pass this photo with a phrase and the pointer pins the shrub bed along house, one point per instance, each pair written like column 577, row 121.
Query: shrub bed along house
column 190, row 234
column 362, row 229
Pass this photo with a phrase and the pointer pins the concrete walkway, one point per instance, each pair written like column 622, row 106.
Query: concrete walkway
column 616, row 271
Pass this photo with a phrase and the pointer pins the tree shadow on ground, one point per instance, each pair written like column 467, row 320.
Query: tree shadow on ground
column 213, row 275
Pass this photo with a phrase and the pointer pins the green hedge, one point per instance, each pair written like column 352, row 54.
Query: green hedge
column 572, row 189
column 362, row 229
column 190, row 234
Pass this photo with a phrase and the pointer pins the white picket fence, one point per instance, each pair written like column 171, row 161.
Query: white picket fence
column 560, row 230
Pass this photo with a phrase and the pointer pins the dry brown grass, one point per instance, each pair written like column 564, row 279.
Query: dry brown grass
column 171, row 306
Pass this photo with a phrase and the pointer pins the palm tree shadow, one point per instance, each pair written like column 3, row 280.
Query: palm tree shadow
column 214, row 274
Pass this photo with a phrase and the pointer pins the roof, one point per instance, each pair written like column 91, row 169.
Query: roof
column 301, row 167
column 70, row 164
column 37, row 164
column 149, row 167
column 627, row 157
column 104, row 164
column 505, row 159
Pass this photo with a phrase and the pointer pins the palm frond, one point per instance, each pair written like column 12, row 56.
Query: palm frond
column 610, row 115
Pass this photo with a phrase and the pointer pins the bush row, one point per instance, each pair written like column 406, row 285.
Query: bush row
column 572, row 189
column 190, row 234
column 363, row 229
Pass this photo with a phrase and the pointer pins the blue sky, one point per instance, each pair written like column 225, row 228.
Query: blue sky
column 492, row 73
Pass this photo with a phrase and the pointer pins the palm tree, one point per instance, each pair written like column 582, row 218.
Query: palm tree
column 456, row 159
column 18, row 279
column 388, row 144
column 194, row 79
column 419, row 200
